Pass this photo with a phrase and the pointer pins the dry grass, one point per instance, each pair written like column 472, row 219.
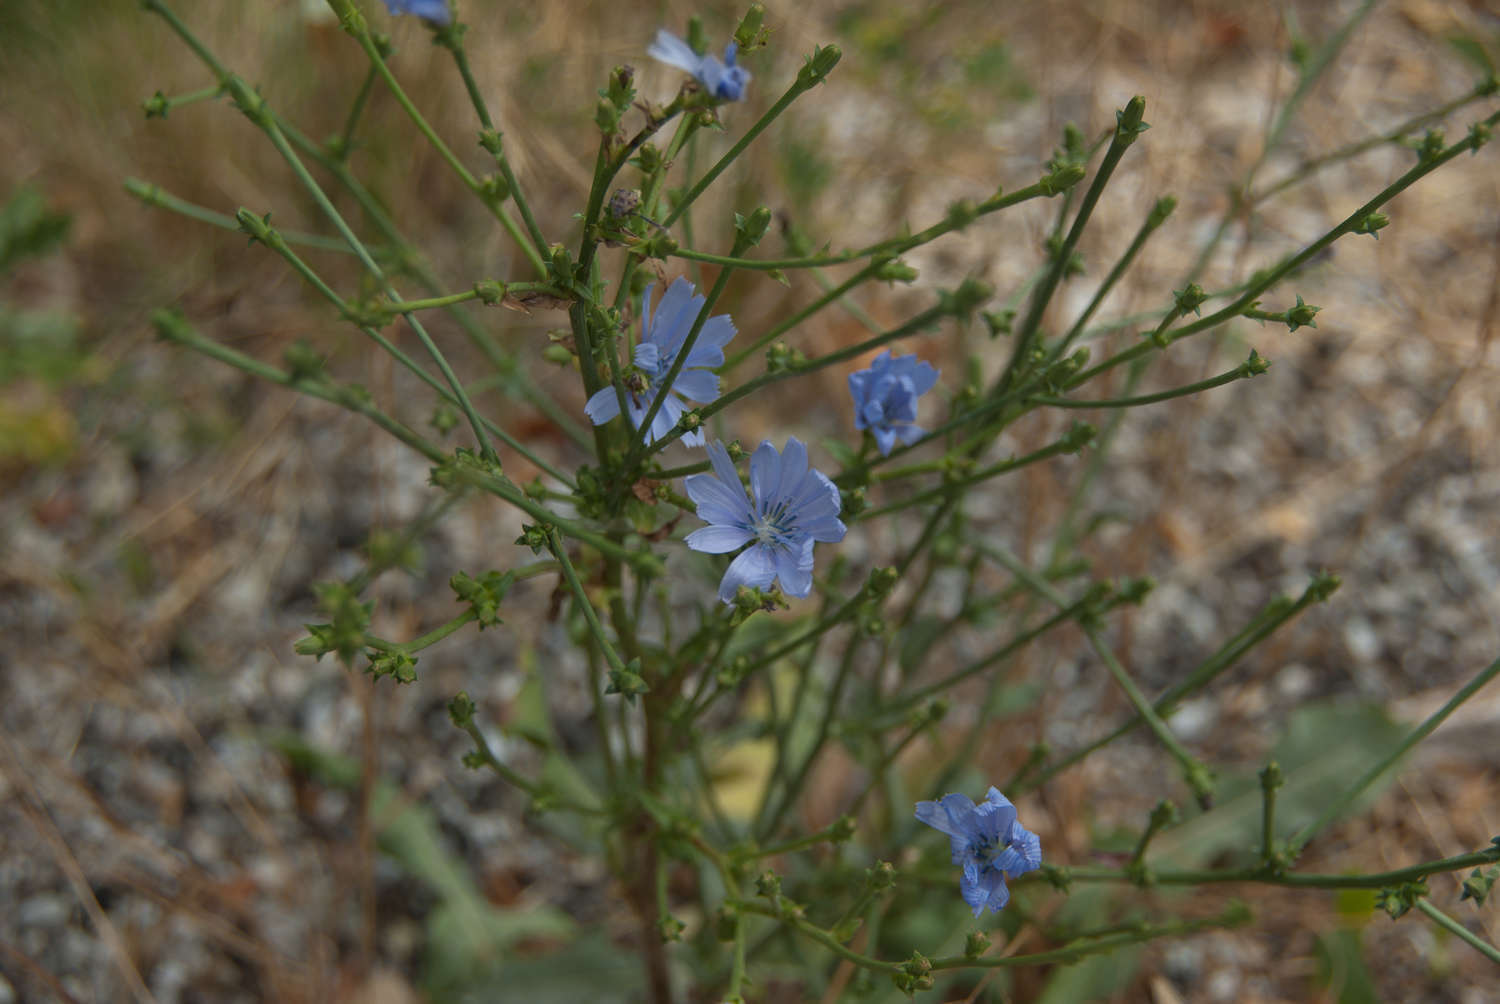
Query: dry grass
column 153, row 583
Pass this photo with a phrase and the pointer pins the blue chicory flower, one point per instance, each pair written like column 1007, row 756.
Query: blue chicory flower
column 885, row 398
column 435, row 11
column 723, row 80
column 663, row 333
column 793, row 506
column 987, row 842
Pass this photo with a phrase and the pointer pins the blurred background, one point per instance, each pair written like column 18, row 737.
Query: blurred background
column 182, row 816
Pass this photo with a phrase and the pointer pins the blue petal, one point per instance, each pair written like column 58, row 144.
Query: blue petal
column 923, row 377
column 647, row 356
column 697, row 385
column 826, row 531
column 999, row 893
column 718, row 458
column 603, row 406
column 994, row 816
column 953, row 814
column 793, row 469
column 718, row 539
column 765, row 473
column 794, row 569
column 909, row 434
column 815, row 498
column 666, row 418
column 731, row 86
column 673, row 51
column 1027, row 848
column 674, row 317
column 717, row 332
column 885, row 439
column 429, row 10
column 987, row 889
column 753, row 567
column 717, row 502
column 858, row 389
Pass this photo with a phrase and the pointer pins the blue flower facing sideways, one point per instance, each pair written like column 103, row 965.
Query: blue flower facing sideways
column 663, row 333
column 792, row 507
column 885, row 398
column 435, row 11
column 723, row 80
column 987, row 842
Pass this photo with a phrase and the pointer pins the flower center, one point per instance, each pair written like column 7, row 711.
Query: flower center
column 772, row 526
column 987, row 852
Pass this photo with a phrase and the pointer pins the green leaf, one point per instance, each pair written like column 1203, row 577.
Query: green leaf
column 1342, row 968
column 1325, row 749
column 467, row 937
column 1473, row 50
column 27, row 229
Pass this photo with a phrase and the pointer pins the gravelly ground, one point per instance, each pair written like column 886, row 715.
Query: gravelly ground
column 153, row 584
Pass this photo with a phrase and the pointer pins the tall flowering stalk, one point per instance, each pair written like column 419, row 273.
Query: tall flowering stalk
column 869, row 659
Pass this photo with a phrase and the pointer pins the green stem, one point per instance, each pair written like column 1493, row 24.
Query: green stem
column 1263, row 281
column 805, row 81
column 449, row 299
column 1310, row 167
column 277, row 243
column 799, row 317
column 560, row 551
column 1338, row 805
column 664, row 387
column 452, row 40
column 173, row 327
column 1254, row 367
column 1198, row 777
column 1463, row 933
column 346, row 138
column 1154, row 219
column 830, row 710
column 922, row 320
column 517, row 383
column 159, row 105
column 1271, row 876
column 423, row 641
column 1270, row 782
column 153, row 195
column 1065, row 445
column 1126, row 132
column 256, row 109
column 821, row 936
column 362, row 35
column 1276, row 614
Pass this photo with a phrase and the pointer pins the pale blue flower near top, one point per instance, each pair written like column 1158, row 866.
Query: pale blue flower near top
column 987, row 842
column 723, row 80
column 429, row 10
column 663, row 333
column 792, row 507
column 885, row 398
